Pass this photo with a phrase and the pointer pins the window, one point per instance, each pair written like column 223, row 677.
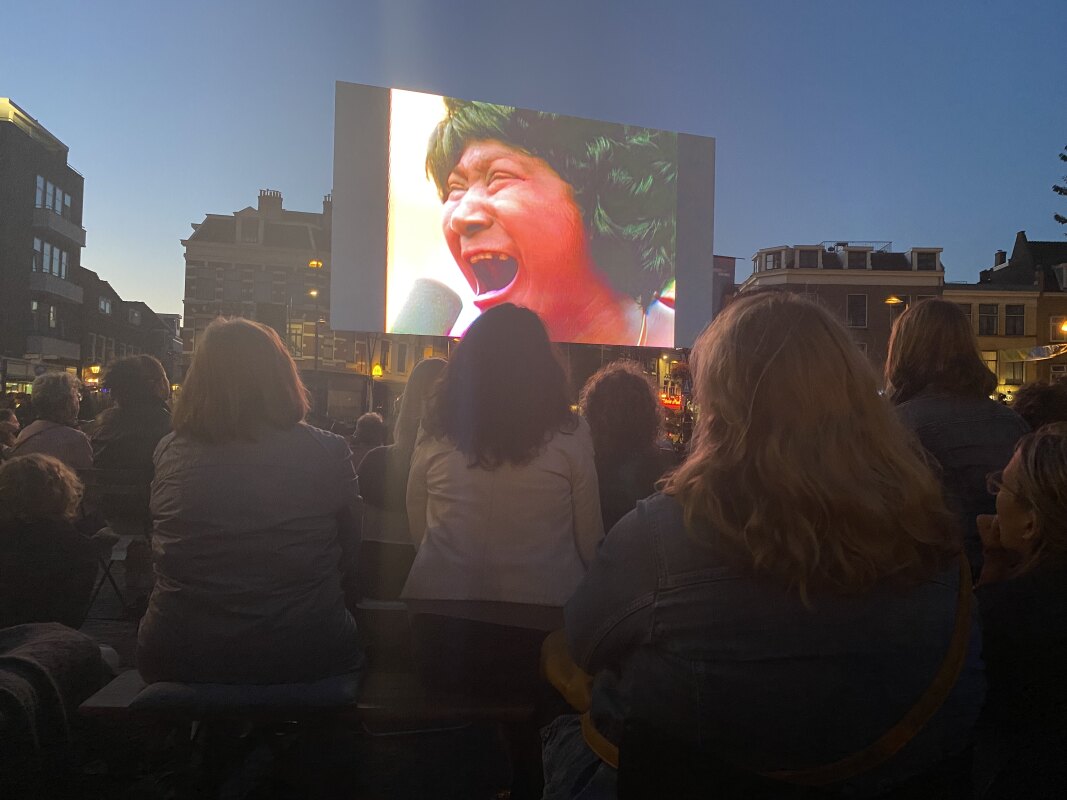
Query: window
column 385, row 354
column 1058, row 373
column 231, row 289
column 104, row 304
column 856, row 311
column 263, row 287
column 250, row 231
column 772, row 260
column 989, row 358
column 926, row 260
column 988, row 314
column 51, row 316
column 39, row 199
column 857, row 259
column 1014, row 320
column 49, row 195
column 401, row 358
column 135, row 316
column 1015, row 373
column 1055, row 329
column 38, row 255
column 966, row 309
column 361, row 356
column 808, row 259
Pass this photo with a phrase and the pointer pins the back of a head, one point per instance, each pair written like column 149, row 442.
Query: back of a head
column 135, row 381
column 620, row 405
column 37, row 487
column 932, row 346
column 370, row 429
column 1041, row 483
column 417, row 391
column 241, row 383
column 504, row 392
column 798, row 466
column 1041, row 403
column 52, row 398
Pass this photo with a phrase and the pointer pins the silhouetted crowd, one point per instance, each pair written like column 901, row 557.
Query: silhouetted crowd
column 852, row 585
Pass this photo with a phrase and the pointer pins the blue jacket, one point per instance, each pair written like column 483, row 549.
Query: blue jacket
column 970, row 437
column 740, row 666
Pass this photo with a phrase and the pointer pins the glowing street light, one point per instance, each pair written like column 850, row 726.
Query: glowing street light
column 314, row 264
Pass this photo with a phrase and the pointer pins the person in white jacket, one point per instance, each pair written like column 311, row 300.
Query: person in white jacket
column 503, row 507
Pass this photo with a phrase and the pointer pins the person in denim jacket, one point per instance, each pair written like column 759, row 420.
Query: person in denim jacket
column 792, row 592
column 936, row 378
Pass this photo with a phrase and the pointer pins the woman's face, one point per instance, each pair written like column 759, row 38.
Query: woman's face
column 1015, row 517
column 515, row 231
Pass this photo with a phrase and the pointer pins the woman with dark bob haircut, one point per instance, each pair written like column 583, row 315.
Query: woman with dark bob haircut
column 252, row 525
column 572, row 218
column 936, row 378
column 624, row 416
column 503, row 508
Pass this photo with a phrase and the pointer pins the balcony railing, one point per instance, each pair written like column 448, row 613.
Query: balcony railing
column 49, row 220
column 44, row 282
column 47, row 348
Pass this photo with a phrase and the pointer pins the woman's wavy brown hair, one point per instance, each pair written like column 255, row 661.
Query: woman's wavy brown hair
column 1041, row 483
column 38, row 487
column 504, row 393
column 799, row 470
column 620, row 405
column 932, row 346
column 241, row 383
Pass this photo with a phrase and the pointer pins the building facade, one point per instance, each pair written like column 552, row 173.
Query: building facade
column 41, row 238
column 866, row 284
column 272, row 265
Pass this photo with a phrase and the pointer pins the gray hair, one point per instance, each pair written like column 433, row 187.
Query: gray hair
column 51, row 396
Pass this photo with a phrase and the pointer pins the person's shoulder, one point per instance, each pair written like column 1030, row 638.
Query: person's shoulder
column 331, row 443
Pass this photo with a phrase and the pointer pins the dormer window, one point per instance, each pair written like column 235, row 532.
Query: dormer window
column 772, row 260
column 808, row 259
column 857, row 259
column 926, row 260
column 104, row 305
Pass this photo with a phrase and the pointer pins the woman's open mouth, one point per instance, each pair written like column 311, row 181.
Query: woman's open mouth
column 492, row 271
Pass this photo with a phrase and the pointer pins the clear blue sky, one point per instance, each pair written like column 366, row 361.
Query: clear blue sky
column 925, row 123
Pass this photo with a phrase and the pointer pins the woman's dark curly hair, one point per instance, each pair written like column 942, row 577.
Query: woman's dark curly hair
column 624, row 180
column 620, row 404
column 504, row 393
column 133, row 380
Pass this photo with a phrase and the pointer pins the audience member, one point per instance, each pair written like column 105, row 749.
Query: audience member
column 9, row 427
column 47, row 569
column 1040, row 403
column 625, row 419
column 793, row 591
column 370, row 433
column 1023, row 600
column 503, row 507
column 128, row 432
column 386, row 552
column 936, row 378
column 252, row 525
column 55, row 432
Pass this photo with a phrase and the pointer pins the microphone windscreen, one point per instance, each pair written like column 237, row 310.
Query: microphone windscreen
column 431, row 309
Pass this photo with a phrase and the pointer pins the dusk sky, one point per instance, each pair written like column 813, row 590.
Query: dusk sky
column 924, row 123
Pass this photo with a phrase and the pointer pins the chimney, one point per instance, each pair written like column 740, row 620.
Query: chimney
column 1000, row 257
column 270, row 202
column 327, row 207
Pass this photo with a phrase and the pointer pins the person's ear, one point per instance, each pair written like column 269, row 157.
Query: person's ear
column 1031, row 528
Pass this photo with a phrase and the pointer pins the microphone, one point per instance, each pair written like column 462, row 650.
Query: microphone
column 430, row 310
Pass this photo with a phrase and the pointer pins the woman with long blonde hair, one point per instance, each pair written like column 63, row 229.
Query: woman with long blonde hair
column 794, row 589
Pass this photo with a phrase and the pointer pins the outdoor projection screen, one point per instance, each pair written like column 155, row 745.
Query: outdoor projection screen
column 443, row 208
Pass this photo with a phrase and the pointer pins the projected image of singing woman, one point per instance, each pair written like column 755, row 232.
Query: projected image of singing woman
column 572, row 218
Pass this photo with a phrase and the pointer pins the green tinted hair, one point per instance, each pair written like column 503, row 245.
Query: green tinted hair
column 624, row 180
